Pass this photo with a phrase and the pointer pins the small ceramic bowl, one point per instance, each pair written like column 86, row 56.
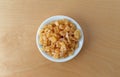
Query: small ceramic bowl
column 59, row 17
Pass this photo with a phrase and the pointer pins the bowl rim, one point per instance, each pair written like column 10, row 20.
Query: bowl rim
column 58, row 17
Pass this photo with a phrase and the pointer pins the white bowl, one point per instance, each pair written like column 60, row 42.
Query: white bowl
column 58, row 17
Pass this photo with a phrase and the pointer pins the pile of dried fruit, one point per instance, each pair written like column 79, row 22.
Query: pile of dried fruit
column 59, row 38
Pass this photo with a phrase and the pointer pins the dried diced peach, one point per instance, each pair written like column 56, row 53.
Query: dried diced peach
column 77, row 34
column 53, row 39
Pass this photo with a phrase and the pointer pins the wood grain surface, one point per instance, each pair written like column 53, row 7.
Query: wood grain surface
column 99, row 57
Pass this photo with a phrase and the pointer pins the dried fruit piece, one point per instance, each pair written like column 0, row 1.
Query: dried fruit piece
column 53, row 39
column 77, row 34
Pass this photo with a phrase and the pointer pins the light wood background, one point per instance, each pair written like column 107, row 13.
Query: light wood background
column 99, row 57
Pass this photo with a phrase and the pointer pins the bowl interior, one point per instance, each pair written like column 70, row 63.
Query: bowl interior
column 53, row 18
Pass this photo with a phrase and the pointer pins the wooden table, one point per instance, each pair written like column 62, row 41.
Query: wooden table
column 99, row 57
